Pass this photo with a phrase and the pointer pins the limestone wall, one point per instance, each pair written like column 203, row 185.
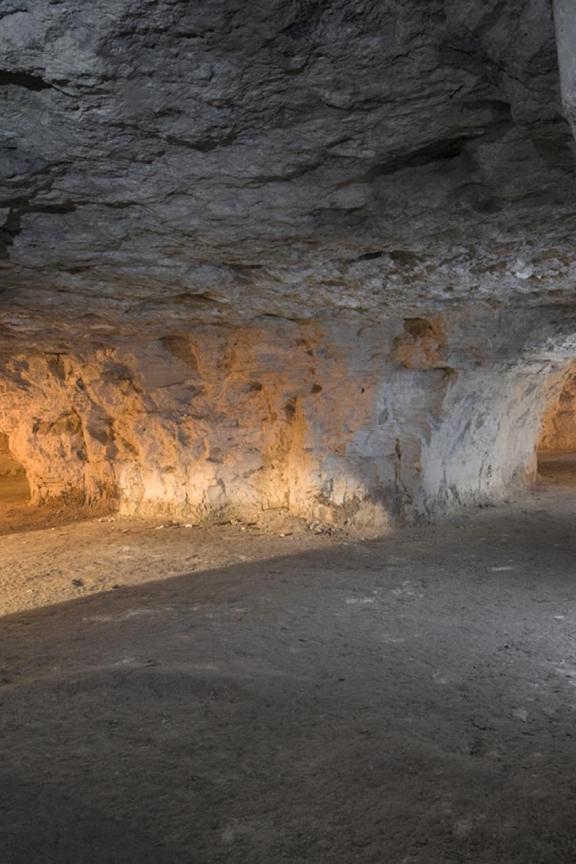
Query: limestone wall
column 559, row 424
column 346, row 423
column 8, row 465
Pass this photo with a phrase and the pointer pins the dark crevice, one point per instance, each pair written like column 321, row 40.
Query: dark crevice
column 64, row 207
column 370, row 256
column 13, row 224
column 23, row 79
column 202, row 145
column 9, row 231
column 439, row 151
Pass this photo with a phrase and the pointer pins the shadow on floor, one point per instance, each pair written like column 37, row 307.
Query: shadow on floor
column 408, row 700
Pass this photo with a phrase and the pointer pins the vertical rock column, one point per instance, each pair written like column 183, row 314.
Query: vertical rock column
column 565, row 19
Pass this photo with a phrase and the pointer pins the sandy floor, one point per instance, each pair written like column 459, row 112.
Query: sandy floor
column 219, row 695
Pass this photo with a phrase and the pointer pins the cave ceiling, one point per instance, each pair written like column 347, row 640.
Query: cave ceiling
column 163, row 161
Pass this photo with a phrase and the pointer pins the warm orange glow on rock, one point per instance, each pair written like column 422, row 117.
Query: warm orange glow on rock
column 421, row 344
column 221, row 421
column 559, row 423
column 348, row 424
column 14, row 487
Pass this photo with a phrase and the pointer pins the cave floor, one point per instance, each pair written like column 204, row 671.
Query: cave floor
column 245, row 697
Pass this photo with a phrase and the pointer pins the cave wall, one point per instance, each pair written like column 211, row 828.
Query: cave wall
column 313, row 257
column 9, row 467
column 350, row 424
column 559, row 423
column 485, row 446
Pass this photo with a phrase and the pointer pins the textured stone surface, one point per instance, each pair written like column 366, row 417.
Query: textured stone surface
column 565, row 21
column 283, row 256
column 289, row 158
column 559, row 422
column 8, row 465
column 356, row 426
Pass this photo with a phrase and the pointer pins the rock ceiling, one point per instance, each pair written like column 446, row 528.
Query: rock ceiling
column 165, row 160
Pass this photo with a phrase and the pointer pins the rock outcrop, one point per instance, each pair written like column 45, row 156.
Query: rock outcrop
column 309, row 254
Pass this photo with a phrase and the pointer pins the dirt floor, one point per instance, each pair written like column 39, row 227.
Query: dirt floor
column 198, row 696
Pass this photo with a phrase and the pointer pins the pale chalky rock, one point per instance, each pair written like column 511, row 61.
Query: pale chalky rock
column 297, row 255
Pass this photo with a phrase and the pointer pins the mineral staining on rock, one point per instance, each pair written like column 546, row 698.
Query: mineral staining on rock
column 312, row 256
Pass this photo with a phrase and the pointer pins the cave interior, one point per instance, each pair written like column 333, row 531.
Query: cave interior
column 287, row 431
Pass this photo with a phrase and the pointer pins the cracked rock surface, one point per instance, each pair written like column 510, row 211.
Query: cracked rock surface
column 294, row 157
column 307, row 254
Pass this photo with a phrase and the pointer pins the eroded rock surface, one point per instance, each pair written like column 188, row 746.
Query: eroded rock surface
column 345, row 424
column 306, row 255
column 559, row 424
column 287, row 157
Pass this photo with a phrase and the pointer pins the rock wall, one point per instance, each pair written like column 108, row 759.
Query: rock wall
column 559, row 423
column 9, row 467
column 345, row 423
column 284, row 259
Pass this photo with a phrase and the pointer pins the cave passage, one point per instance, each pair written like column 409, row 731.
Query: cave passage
column 557, row 444
column 14, row 486
column 288, row 431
